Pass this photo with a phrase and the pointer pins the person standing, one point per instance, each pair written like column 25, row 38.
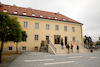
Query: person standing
column 77, row 48
column 68, row 47
column 66, row 44
column 62, row 43
column 72, row 47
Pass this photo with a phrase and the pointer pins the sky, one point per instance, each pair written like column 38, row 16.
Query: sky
column 83, row 11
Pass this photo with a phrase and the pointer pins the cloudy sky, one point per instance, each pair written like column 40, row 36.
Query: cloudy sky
column 84, row 11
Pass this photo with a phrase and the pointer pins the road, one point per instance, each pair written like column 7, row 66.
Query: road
column 40, row 59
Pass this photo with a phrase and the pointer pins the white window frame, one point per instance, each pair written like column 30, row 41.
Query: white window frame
column 55, row 18
column 48, row 17
column 25, row 24
column 63, row 19
column 73, row 29
column 33, row 14
column 36, row 25
column 24, row 13
column 73, row 38
column 15, row 12
column 47, row 26
column 41, row 15
column 5, row 10
column 69, row 19
column 65, row 28
column 36, row 37
column 56, row 27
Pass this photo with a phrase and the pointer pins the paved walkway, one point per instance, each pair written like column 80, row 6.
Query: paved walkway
column 39, row 59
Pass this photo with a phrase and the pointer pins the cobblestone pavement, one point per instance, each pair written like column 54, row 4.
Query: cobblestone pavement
column 40, row 59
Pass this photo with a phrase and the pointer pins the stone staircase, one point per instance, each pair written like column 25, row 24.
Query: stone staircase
column 59, row 50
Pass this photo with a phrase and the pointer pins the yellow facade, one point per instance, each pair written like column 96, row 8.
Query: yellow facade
column 30, row 44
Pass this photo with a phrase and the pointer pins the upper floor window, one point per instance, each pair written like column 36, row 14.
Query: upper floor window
column 5, row 10
column 25, row 25
column 36, row 25
column 65, row 28
column 41, row 15
column 73, row 29
column 24, row 13
column 55, row 17
column 73, row 39
column 47, row 26
column 36, row 37
column 33, row 14
column 57, row 27
column 15, row 12
column 48, row 17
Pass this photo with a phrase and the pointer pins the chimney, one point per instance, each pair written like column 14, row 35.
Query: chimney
column 0, row 4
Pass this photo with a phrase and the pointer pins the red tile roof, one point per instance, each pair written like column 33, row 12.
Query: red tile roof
column 10, row 9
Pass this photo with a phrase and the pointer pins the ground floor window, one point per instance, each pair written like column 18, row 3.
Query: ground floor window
column 73, row 39
column 36, row 37
column 57, row 39
column 23, row 48
column 10, row 48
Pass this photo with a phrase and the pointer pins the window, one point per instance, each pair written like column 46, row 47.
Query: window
column 10, row 48
column 57, row 27
column 57, row 39
column 24, row 13
column 33, row 14
column 36, row 25
column 25, row 25
column 73, row 39
column 63, row 19
column 65, row 28
column 55, row 18
column 69, row 19
column 73, row 29
column 36, row 37
column 48, row 17
column 41, row 15
column 5, row 10
column 15, row 12
column 23, row 48
column 47, row 26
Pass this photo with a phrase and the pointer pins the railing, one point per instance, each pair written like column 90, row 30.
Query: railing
column 52, row 46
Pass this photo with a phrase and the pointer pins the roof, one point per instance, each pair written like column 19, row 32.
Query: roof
column 29, row 12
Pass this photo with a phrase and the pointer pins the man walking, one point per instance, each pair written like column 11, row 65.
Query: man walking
column 71, row 47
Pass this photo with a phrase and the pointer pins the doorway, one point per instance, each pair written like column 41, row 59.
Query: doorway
column 66, row 40
column 47, row 38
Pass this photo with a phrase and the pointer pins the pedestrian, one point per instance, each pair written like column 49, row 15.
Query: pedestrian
column 77, row 48
column 68, row 47
column 72, row 47
column 62, row 43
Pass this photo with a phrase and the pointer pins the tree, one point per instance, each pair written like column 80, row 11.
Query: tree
column 9, row 29
column 87, row 40
column 23, row 38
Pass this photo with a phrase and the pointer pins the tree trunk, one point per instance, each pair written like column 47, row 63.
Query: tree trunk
column 1, row 49
column 17, row 47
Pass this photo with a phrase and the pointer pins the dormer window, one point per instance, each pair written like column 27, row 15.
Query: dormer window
column 5, row 10
column 41, row 15
column 69, row 19
column 48, row 17
column 15, row 12
column 24, row 13
column 63, row 19
column 9, row 6
column 25, row 9
column 55, row 18
column 17, row 8
column 32, row 10
column 33, row 14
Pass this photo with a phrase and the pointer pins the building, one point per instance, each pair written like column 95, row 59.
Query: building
column 43, row 25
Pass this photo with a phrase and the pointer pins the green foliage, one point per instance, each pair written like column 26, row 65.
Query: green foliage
column 24, row 36
column 10, row 29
